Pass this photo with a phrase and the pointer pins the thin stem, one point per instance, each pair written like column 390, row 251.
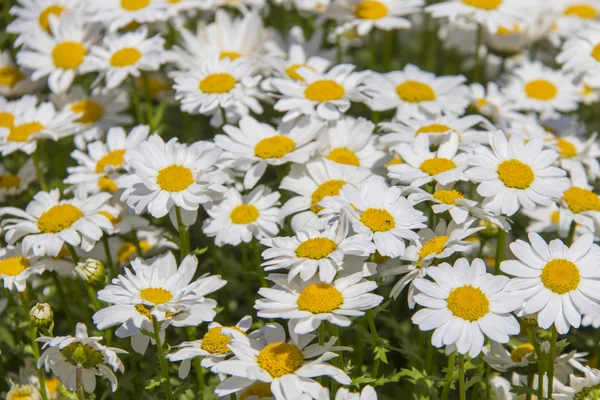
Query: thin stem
column 533, row 339
column 164, row 367
column 109, row 261
column 551, row 362
column 429, row 353
column 461, row 377
column 449, row 375
column 373, row 47
column 388, row 46
column 34, row 345
column 62, row 298
column 500, row 250
column 135, row 100
column 478, row 40
column 79, row 383
column 73, row 253
column 136, row 243
column 148, row 98
column 333, row 331
column 184, row 239
column 375, row 335
column 223, row 117
column 38, row 169
column 191, row 336
column 571, row 233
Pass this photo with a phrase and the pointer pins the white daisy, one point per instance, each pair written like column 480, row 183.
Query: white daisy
column 33, row 16
column 298, row 56
column 581, row 205
column 287, row 366
column 491, row 101
column 238, row 218
column 255, row 145
column 307, row 304
column 10, row 110
column 14, row 184
column 547, row 219
column 514, row 174
column 116, row 14
column 416, row 93
column 555, row 281
column 573, row 16
column 501, row 359
column 579, row 157
column 368, row 393
column 13, row 81
column 585, row 387
column 463, row 304
column 365, row 15
column 16, row 268
column 581, row 54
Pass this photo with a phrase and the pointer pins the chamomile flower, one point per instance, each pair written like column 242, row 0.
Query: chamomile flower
column 327, row 96
column 311, row 251
column 581, row 54
column 501, row 359
column 351, row 141
column 298, row 56
column 491, row 101
column 365, row 15
column 95, row 171
column 463, row 305
column 64, row 355
column 164, row 175
column 289, row 367
column 62, row 55
column 422, row 166
column 33, row 16
column 307, row 304
column 10, row 110
column 585, row 387
column 555, row 281
column 534, row 87
column 514, row 174
column 23, row 392
column 13, row 81
column 579, row 157
column 573, row 16
column 212, row 347
column 256, row 145
column 238, row 218
column 128, row 55
column 547, row 219
column 416, row 93
column 116, row 14
column 48, row 222
column 12, row 184
column 16, row 268
column 368, row 393
column 582, row 206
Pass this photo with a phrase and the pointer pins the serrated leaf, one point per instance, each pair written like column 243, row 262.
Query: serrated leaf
column 380, row 354
column 153, row 383
column 474, row 379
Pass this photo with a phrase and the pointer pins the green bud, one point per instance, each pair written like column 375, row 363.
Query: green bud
column 91, row 271
column 41, row 315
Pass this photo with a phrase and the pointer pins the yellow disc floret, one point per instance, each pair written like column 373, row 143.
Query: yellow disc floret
column 415, row 92
column 434, row 166
column 59, row 218
column 125, row 57
column 114, row 158
column 370, row 9
column 580, row 200
column 174, row 178
column 468, row 302
column 316, row 248
column 377, row 219
column 90, row 111
column 258, row 389
column 44, row 18
column 515, row 174
column 280, row 359
column 342, row 155
column 320, row 298
column 541, row 89
column 244, row 214
column 561, row 276
column 484, row 4
column 324, row 90
column 328, row 188
column 68, row 55
column 134, row 5
column 519, row 352
column 156, row 295
column 432, row 246
column 22, row 132
column 274, row 147
column 448, row 196
column 216, row 342
column 8, row 181
column 13, row 266
column 217, row 83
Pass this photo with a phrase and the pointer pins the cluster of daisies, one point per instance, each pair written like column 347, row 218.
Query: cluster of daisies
column 300, row 199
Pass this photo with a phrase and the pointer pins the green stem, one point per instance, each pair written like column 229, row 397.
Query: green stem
column 62, row 298
column 191, row 335
column 73, row 253
column 449, row 375
column 38, row 169
column 164, row 367
column 551, row 362
column 461, row 377
column 333, row 331
column 571, row 233
column 135, row 100
column 388, row 46
column 375, row 335
column 79, row 384
column 34, row 346
column 429, row 353
column 321, row 336
column 373, row 47
column 533, row 339
column 500, row 251
column 109, row 261
column 184, row 239
column 477, row 72
column 90, row 290
column 148, row 99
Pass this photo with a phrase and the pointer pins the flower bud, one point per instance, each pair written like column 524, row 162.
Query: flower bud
column 91, row 271
column 41, row 315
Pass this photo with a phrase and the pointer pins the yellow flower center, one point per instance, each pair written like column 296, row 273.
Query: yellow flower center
column 59, row 218
column 370, row 9
column 90, row 111
column 140, row 308
column 555, row 217
column 105, row 184
column 21, row 133
column 584, row 11
column 232, row 55
column 329, row 188
column 128, row 250
column 434, row 166
column 52, row 386
column 113, row 220
column 9, row 181
column 415, row 92
column 468, row 302
column 44, row 18
column 217, row 83
column 293, row 73
column 484, row 4
column 259, row 389
column 13, row 266
column 394, row 161
column 432, row 246
column 216, row 342
column 134, row 5
column 320, row 298
column 561, row 276
column 433, row 128
column 125, row 57
column 503, row 31
column 566, row 148
column 377, row 219
column 596, row 52
column 174, row 178
column 519, row 352
column 316, row 248
column 244, row 214
column 7, row 120
column 114, row 158
column 22, row 392
column 342, row 155
column 515, row 174
column 280, row 359
column 274, row 147
column 581, row 200
column 10, row 76
column 156, row 295
column 448, row 196
column 68, row 55
column 541, row 89
column 324, row 90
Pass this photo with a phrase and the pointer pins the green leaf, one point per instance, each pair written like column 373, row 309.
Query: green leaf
column 153, row 383
column 199, row 252
column 380, row 354
column 474, row 379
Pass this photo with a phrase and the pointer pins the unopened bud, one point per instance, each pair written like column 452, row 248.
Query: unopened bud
column 41, row 315
column 91, row 271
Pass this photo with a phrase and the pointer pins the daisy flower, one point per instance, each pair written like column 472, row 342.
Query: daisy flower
column 219, row 82
column 127, row 55
column 416, row 93
column 62, row 55
column 327, row 95
column 514, row 174
column 365, row 15
column 48, row 222
column 10, row 110
column 582, row 206
column 311, row 250
column 501, row 359
column 422, row 166
column 491, row 102
column 255, row 145
column 13, row 81
column 581, row 54
column 26, row 392
column 547, row 219
column 585, row 387
column 287, row 366
column 464, row 304
column 64, row 355
column 169, row 174
column 238, row 218
column 116, row 14
column 33, row 16
column 14, row 184
column 298, row 56
column 212, row 347
column 555, row 281
column 579, row 157
column 95, row 171
column 573, row 16
column 351, row 141
column 16, row 268
column 534, row 87
column 368, row 393
column 307, row 304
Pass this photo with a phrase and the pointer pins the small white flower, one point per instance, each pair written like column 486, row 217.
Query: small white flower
column 582, row 206
column 116, row 14
column 365, row 15
column 14, row 184
column 368, row 393
column 16, row 267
